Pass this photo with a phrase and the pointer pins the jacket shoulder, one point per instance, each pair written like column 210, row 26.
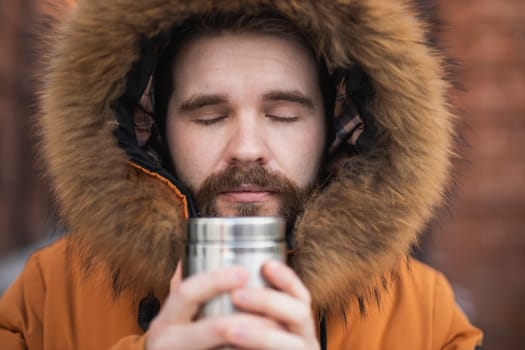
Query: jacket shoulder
column 53, row 254
column 23, row 303
column 451, row 329
column 417, row 311
column 53, row 304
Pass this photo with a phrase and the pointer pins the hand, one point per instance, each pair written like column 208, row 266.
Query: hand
column 284, row 319
column 289, row 305
column 173, row 327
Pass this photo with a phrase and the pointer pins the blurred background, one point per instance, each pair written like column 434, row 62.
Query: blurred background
column 479, row 243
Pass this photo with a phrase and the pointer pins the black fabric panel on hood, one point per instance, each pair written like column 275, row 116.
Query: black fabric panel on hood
column 360, row 90
column 137, row 80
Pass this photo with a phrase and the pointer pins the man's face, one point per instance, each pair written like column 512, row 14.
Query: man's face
column 245, row 124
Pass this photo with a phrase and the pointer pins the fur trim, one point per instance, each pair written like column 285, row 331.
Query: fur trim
column 352, row 233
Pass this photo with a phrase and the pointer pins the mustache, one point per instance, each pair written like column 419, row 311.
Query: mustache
column 235, row 176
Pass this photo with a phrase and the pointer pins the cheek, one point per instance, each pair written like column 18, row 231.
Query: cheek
column 191, row 157
column 300, row 155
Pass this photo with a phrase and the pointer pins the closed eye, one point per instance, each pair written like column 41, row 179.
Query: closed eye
column 283, row 119
column 209, row 121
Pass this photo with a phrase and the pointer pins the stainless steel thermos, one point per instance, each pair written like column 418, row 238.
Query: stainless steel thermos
column 246, row 241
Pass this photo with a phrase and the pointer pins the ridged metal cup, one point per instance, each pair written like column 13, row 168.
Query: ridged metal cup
column 236, row 241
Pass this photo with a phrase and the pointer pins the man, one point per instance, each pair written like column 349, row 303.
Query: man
column 157, row 111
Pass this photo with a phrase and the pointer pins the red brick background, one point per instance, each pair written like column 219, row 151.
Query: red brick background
column 24, row 199
column 480, row 246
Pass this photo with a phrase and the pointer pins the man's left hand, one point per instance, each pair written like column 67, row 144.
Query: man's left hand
column 289, row 304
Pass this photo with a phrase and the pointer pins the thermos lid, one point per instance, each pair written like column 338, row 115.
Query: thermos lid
column 257, row 228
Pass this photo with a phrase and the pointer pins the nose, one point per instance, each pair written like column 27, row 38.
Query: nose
column 247, row 143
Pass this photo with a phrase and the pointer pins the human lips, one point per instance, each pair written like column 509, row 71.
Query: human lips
column 247, row 193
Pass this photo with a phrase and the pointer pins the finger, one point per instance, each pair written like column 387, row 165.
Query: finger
column 188, row 336
column 185, row 298
column 256, row 333
column 284, row 278
column 218, row 331
column 295, row 314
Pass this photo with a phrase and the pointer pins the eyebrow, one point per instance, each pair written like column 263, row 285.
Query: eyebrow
column 294, row 96
column 199, row 101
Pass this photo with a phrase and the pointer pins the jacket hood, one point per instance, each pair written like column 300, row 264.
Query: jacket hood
column 129, row 213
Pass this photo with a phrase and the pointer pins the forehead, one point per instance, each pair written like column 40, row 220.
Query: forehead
column 208, row 61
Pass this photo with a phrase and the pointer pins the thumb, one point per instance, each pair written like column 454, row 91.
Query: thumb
column 176, row 280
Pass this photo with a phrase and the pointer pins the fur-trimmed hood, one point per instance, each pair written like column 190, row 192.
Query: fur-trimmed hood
column 129, row 213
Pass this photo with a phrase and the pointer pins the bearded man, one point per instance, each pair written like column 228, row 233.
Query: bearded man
column 331, row 114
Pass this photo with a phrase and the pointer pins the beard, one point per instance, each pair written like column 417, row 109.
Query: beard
column 291, row 196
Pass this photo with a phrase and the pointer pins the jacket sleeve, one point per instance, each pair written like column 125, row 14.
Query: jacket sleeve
column 132, row 342
column 21, row 310
column 22, row 313
column 452, row 330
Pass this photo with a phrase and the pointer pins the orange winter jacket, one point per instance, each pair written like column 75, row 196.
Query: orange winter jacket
column 51, row 306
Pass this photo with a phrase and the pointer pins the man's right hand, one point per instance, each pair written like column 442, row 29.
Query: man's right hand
column 175, row 326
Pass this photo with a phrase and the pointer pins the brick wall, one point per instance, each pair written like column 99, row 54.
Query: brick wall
column 24, row 198
column 481, row 246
